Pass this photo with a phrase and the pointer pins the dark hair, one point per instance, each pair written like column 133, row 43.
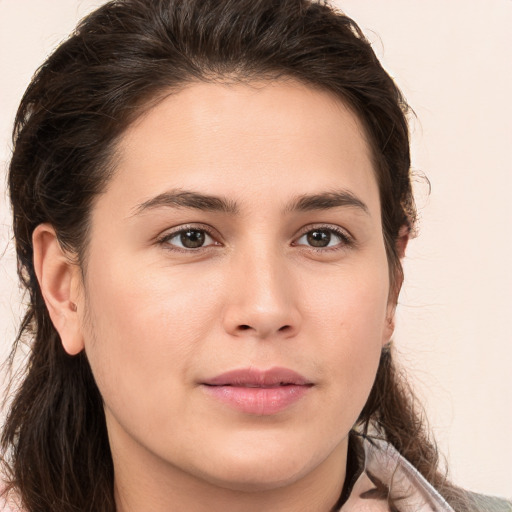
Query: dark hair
column 119, row 60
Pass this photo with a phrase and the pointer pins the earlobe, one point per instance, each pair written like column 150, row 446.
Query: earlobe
column 401, row 246
column 402, row 241
column 59, row 279
column 389, row 327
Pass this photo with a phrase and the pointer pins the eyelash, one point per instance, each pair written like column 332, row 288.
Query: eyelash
column 346, row 240
column 165, row 239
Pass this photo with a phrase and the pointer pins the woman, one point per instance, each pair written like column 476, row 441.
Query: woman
column 211, row 201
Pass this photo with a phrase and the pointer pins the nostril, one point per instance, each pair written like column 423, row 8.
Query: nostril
column 245, row 327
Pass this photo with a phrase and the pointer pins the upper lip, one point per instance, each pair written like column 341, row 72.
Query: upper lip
column 253, row 377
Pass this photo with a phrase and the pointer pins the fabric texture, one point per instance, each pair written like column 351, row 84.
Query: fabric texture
column 385, row 468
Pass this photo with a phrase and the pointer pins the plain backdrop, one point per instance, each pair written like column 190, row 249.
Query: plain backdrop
column 453, row 61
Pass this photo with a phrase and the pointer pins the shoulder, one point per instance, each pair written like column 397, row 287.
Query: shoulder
column 481, row 503
column 9, row 506
column 8, row 502
column 407, row 485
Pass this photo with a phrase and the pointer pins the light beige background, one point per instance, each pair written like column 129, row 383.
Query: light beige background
column 453, row 62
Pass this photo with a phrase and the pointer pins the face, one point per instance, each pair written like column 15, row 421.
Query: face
column 235, row 299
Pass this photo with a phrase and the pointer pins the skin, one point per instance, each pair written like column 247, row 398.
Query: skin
column 157, row 319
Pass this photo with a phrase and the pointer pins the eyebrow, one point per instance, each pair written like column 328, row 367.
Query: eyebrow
column 206, row 202
column 186, row 199
column 326, row 201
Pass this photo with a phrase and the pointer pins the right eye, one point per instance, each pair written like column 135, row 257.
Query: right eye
column 188, row 239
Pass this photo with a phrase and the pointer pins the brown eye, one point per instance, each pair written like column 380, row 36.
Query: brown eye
column 192, row 238
column 189, row 238
column 328, row 238
column 318, row 238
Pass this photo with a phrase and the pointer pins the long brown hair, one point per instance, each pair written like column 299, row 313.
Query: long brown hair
column 118, row 60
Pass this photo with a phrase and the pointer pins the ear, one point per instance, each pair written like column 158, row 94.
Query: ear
column 403, row 239
column 59, row 279
column 401, row 246
column 389, row 327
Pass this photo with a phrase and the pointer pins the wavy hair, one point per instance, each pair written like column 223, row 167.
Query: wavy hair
column 118, row 61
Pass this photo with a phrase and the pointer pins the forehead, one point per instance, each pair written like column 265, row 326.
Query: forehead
column 244, row 140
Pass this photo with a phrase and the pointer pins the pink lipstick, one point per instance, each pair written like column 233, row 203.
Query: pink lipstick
column 260, row 392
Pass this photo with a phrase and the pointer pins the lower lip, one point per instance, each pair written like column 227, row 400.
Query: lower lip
column 260, row 401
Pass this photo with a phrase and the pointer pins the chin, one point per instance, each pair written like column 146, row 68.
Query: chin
column 261, row 468
column 244, row 478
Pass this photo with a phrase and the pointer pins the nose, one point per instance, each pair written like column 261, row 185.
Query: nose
column 261, row 301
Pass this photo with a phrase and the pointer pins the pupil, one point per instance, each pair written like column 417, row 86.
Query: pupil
column 319, row 238
column 192, row 238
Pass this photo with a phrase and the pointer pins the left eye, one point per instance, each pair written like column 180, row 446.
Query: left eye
column 190, row 239
column 322, row 237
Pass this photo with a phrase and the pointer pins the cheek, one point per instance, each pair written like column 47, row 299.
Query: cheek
column 349, row 324
column 351, row 303
column 143, row 329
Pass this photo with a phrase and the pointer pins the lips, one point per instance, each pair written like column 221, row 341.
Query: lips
column 260, row 392
column 253, row 378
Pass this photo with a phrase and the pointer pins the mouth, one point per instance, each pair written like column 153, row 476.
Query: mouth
column 258, row 392
column 254, row 378
column 262, row 386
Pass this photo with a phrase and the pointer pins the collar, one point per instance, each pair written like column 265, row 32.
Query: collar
column 387, row 472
